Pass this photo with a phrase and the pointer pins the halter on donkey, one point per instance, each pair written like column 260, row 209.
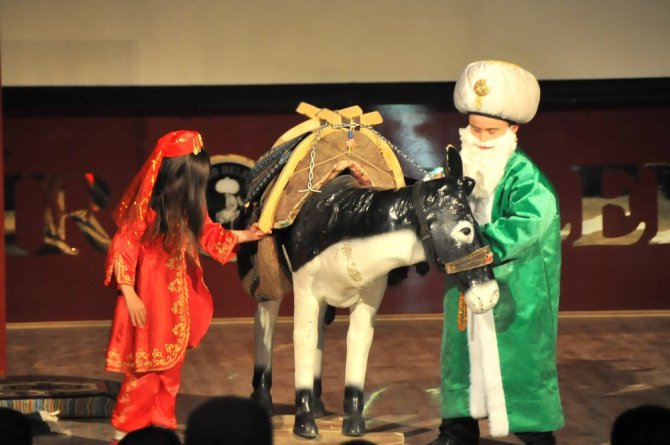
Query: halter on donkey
column 341, row 247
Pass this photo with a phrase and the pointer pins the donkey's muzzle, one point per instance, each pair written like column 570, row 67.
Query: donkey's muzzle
column 482, row 297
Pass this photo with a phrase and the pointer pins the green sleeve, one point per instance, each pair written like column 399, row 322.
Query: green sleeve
column 528, row 207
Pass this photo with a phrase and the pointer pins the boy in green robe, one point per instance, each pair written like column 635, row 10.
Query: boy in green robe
column 501, row 364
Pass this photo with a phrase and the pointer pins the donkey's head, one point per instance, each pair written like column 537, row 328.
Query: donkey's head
column 455, row 240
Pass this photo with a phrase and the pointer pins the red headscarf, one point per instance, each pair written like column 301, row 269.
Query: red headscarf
column 132, row 210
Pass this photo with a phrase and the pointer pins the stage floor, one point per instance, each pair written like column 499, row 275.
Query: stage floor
column 607, row 363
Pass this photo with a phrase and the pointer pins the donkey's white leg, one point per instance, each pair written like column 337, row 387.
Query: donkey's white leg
column 317, row 389
column 359, row 340
column 305, row 340
column 265, row 318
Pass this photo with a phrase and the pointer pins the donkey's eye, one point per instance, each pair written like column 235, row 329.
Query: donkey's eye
column 463, row 232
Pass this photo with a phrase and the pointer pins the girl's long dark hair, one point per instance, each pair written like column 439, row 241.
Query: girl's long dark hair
column 179, row 201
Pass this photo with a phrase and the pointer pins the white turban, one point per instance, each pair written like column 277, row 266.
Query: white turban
column 498, row 89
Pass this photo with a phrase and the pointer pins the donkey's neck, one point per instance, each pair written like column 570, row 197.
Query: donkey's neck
column 374, row 212
column 379, row 254
column 393, row 238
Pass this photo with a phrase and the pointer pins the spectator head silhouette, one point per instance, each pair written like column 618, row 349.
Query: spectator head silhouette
column 14, row 428
column 228, row 420
column 642, row 425
column 151, row 435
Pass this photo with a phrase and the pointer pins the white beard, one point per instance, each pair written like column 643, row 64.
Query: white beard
column 486, row 167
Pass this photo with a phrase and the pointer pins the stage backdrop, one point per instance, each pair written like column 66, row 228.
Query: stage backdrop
column 601, row 143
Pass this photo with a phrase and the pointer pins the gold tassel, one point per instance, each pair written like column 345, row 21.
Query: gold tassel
column 462, row 313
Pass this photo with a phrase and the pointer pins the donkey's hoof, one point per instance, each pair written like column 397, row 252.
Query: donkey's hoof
column 305, row 426
column 353, row 425
column 264, row 399
column 318, row 408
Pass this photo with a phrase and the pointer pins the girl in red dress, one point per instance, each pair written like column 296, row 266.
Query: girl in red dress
column 164, row 306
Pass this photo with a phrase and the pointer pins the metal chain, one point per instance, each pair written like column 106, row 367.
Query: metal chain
column 400, row 153
column 312, row 157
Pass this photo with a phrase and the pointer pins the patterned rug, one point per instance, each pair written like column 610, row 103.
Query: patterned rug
column 74, row 397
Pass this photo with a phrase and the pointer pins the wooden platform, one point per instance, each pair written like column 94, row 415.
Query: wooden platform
column 607, row 363
column 330, row 433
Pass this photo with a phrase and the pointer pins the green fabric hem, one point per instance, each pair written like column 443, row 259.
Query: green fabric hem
column 536, row 415
column 455, row 404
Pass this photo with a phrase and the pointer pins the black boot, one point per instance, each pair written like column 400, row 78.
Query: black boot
column 458, row 431
column 262, row 383
column 535, row 438
column 353, row 423
column 304, row 425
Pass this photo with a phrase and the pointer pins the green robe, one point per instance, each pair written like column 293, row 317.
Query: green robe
column 505, row 367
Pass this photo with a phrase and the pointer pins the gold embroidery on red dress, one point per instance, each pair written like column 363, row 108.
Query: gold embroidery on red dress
column 224, row 247
column 141, row 360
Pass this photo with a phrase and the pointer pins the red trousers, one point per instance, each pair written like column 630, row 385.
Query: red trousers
column 148, row 399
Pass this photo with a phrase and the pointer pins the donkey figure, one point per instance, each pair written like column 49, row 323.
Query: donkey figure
column 341, row 248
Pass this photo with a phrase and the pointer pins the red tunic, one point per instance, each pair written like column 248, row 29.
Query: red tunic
column 179, row 305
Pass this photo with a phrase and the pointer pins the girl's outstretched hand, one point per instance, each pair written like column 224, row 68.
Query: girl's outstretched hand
column 256, row 233
column 253, row 233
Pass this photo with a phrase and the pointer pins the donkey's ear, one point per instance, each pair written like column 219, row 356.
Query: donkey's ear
column 454, row 164
column 468, row 185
